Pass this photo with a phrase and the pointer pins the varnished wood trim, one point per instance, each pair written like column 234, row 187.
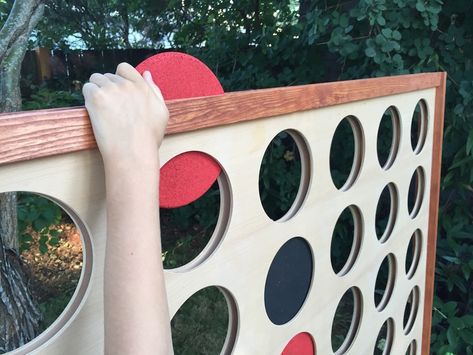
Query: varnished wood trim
column 433, row 213
column 33, row 134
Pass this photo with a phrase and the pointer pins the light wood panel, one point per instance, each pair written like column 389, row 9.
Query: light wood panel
column 249, row 240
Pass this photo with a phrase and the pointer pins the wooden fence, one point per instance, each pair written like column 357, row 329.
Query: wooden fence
column 42, row 63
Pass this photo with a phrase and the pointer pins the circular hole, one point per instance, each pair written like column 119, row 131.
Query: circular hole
column 205, row 323
column 44, row 268
column 288, row 280
column 410, row 312
column 346, row 152
column 284, row 175
column 191, row 233
column 388, row 137
column 412, row 349
column 413, row 253
column 346, row 240
column 386, row 212
column 416, row 192
column 346, row 320
column 385, row 282
column 300, row 344
column 419, row 126
column 384, row 341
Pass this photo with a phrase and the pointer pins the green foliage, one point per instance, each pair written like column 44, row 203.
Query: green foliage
column 52, row 308
column 99, row 24
column 186, row 230
column 342, row 153
column 5, row 7
column 43, row 97
column 39, row 214
column 204, row 319
column 342, row 240
column 280, row 175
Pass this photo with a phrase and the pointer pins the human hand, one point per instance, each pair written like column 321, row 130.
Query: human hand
column 128, row 116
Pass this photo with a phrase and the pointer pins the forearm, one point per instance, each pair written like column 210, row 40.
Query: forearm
column 129, row 116
column 136, row 312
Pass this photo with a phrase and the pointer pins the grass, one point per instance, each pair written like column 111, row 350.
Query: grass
column 200, row 326
column 52, row 309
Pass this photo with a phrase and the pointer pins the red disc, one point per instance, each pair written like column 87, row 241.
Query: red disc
column 188, row 176
column 181, row 76
column 300, row 344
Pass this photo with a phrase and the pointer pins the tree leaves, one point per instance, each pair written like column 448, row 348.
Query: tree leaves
column 39, row 214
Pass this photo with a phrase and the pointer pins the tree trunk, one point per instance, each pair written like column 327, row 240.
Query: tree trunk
column 14, row 35
column 8, row 221
column 19, row 315
column 126, row 24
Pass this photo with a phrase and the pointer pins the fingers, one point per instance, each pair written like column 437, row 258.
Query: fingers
column 99, row 79
column 126, row 71
column 114, row 78
column 90, row 90
column 149, row 80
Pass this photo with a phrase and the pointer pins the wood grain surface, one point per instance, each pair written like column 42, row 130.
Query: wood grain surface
column 33, row 134
column 433, row 212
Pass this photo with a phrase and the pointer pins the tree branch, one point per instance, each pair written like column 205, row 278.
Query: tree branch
column 19, row 22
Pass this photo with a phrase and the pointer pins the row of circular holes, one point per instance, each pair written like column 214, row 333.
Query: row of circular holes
column 355, row 300
column 394, row 147
column 385, row 340
column 344, row 180
column 412, row 255
column 416, row 257
column 388, row 268
column 348, row 138
column 415, row 242
column 300, row 151
column 412, row 259
column 383, row 231
column 410, row 315
column 280, row 313
column 356, row 303
column 410, row 270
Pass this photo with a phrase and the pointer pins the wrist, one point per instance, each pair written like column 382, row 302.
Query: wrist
column 129, row 166
column 123, row 175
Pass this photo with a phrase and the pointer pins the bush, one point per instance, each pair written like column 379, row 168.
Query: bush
column 44, row 97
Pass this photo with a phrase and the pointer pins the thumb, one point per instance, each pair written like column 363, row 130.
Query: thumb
column 149, row 80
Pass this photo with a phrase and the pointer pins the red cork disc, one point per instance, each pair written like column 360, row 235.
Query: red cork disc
column 187, row 176
column 301, row 344
column 181, row 76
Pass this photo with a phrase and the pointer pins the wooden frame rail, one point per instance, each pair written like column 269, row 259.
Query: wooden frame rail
column 39, row 133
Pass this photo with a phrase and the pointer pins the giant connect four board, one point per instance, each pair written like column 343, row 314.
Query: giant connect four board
column 277, row 274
